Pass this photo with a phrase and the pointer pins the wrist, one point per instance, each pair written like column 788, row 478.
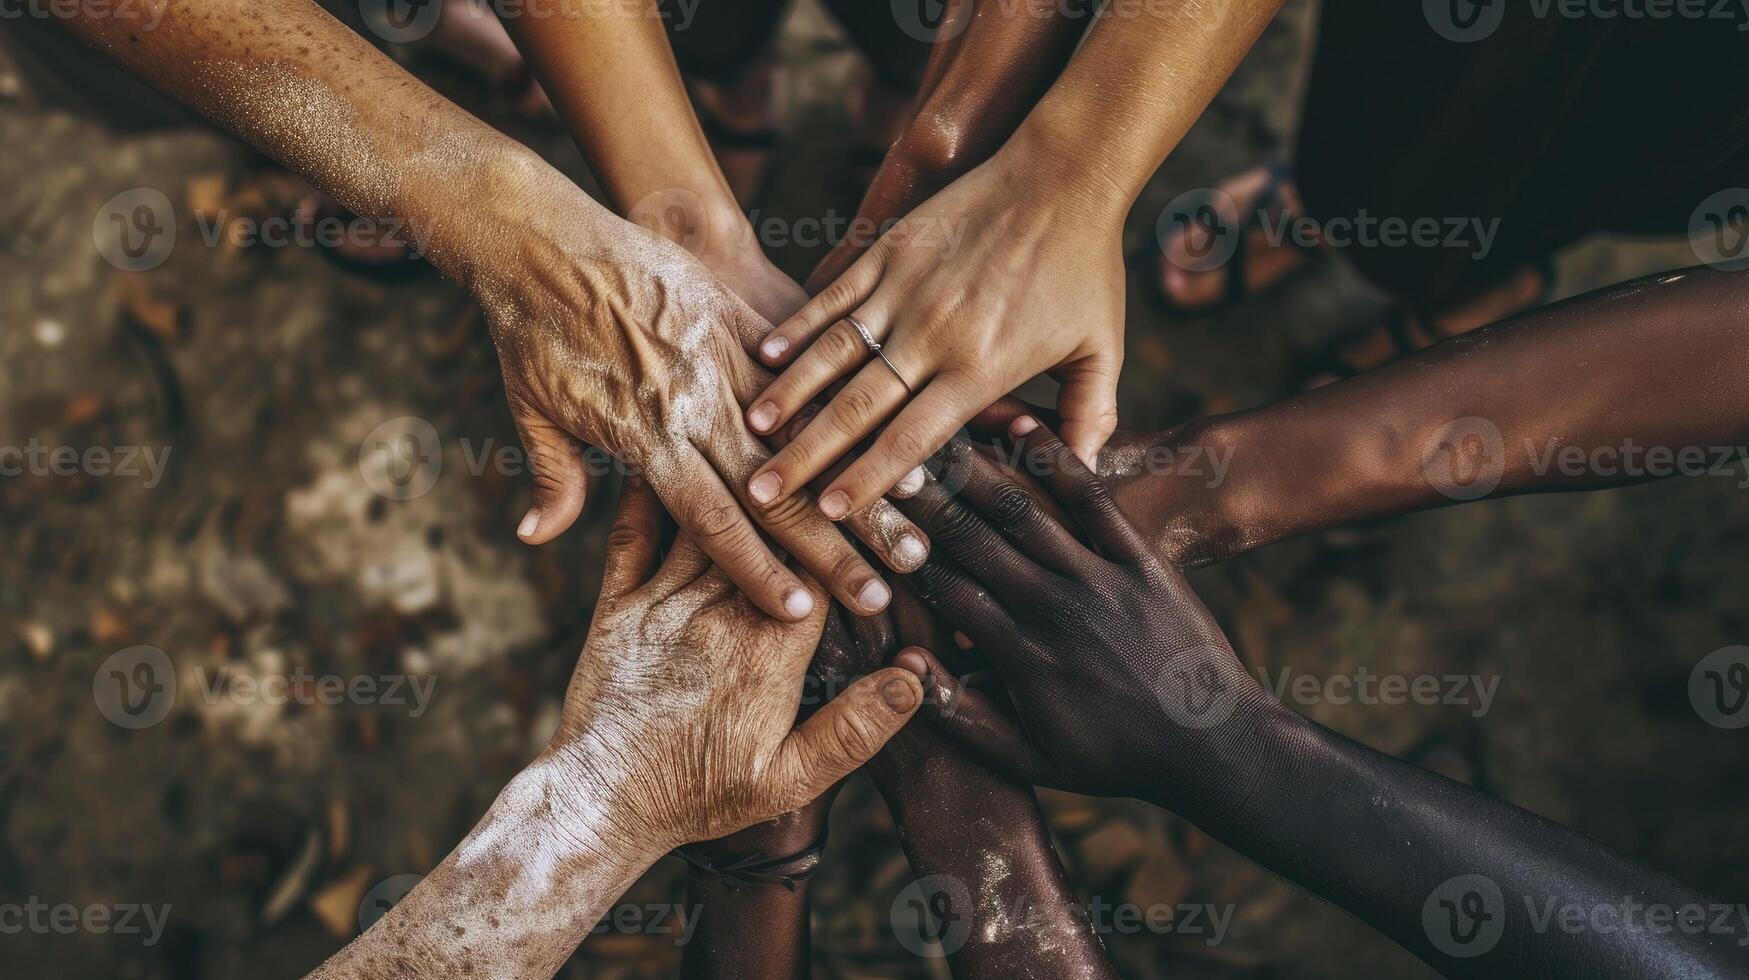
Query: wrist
column 1053, row 151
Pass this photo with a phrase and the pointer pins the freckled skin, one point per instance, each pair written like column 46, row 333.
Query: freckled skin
column 678, row 726
column 1128, row 687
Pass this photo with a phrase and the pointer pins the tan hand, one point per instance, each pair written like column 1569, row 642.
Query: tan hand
column 982, row 287
column 680, row 719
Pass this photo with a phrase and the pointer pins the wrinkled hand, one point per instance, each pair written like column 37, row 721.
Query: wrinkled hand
column 680, row 720
column 615, row 337
column 1121, row 680
column 979, row 289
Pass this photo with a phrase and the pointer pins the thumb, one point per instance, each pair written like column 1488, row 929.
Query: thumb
column 1087, row 404
column 556, row 462
column 843, row 734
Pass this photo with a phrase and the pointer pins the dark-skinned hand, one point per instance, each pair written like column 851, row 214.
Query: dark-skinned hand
column 1122, row 682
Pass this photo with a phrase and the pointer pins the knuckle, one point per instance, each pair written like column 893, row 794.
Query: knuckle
column 852, row 410
column 1011, row 506
column 787, row 514
column 840, row 345
column 623, row 536
column 847, row 569
column 957, row 526
column 855, row 736
column 712, row 522
column 911, row 441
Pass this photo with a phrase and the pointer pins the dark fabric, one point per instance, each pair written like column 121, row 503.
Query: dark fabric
column 1558, row 126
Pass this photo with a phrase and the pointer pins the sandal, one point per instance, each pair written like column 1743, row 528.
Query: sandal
column 1238, row 288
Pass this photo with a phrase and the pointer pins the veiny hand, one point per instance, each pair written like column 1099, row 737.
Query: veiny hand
column 985, row 285
column 1121, row 679
column 680, row 720
column 613, row 336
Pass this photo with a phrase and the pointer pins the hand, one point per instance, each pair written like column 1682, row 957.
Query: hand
column 612, row 336
column 1125, row 682
column 680, row 721
column 969, row 297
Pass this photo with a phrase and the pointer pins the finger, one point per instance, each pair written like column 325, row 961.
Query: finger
column 711, row 516
column 994, row 421
column 845, row 294
column 837, row 352
column 892, row 536
column 634, row 545
column 965, row 604
column 556, row 461
column 843, row 735
column 957, row 530
column 1078, row 490
column 797, row 526
column 998, row 496
column 1087, row 403
column 921, row 428
column 853, row 413
column 971, row 718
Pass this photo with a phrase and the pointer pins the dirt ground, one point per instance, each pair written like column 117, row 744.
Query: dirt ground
column 261, row 548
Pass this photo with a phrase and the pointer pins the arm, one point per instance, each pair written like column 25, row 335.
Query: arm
column 678, row 726
column 607, row 334
column 990, row 890
column 1013, row 270
column 1632, row 383
column 977, row 87
column 1128, row 687
column 611, row 74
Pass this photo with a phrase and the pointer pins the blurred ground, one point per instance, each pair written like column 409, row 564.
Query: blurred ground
column 263, row 548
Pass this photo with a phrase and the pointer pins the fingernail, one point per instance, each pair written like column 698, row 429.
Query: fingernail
column 874, row 595
column 1021, row 426
column 910, row 551
column 764, row 487
column 961, row 640
column 914, row 662
column 530, row 521
column 908, row 487
column 762, row 416
column 774, row 347
column 798, row 603
column 835, row 504
column 898, row 695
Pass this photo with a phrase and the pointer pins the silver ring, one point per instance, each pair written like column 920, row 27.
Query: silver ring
column 874, row 347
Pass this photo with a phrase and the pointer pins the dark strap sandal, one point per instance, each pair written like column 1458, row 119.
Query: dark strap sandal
column 723, row 137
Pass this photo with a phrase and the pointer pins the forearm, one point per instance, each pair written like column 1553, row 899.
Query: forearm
column 1617, row 387
column 755, row 928
column 514, row 899
column 1143, row 76
column 958, row 820
column 611, row 74
column 1392, row 843
column 296, row 83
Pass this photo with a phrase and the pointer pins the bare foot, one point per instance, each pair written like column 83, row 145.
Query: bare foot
column 741, row 120
column 1266, row 262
